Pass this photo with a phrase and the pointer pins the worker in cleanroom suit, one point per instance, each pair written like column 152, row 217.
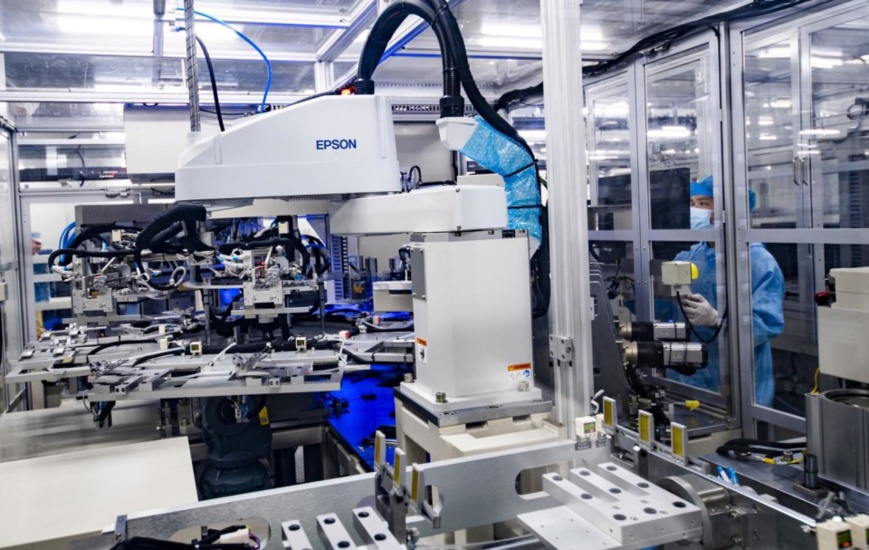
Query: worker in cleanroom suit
column 701, row 306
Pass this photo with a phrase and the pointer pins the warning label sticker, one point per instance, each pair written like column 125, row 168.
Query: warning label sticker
column 421, row 355
column 521, row 371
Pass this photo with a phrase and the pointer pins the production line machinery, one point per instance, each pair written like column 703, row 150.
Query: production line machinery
column 608, row 489
column 479, row 461
column 628, row 485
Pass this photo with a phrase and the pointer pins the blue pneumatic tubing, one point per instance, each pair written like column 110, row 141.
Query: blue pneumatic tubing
column 241, row 35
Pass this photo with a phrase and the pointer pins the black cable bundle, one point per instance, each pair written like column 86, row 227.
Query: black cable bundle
column 162, row 236
column 213, row 79
column 457, row 76
column 94, row 232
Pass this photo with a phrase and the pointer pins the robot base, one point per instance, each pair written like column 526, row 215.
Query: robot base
column 462, row 406
column 428, row 435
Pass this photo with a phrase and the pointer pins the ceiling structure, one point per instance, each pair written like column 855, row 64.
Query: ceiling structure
column 117, row 50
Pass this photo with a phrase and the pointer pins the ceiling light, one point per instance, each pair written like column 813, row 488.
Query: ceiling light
column 511, row 30
column 363, row 36
column 593, row 46
column 614, row 110
column 765, row 121
column 669, row 132
column 820, row 132
column 104, row 26
column 508, row 42
column 767, row 137
column 781, row 104
column 775, row 52
column 77, row 7
column 509, row 35
column 533, row 135
column 821, row 62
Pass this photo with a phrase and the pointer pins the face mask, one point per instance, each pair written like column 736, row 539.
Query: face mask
column 700, row 218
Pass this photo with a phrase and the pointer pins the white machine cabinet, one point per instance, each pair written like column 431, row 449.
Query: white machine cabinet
column 472, row 313
column 843, row 349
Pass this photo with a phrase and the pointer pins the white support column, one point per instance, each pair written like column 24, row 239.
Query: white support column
column 571, row 308
column 324, row 77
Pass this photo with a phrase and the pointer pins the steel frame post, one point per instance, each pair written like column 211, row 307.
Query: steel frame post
column 571, row 308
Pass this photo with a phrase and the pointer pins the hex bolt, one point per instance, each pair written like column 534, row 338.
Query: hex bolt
column 408, row 378
column 440, row 397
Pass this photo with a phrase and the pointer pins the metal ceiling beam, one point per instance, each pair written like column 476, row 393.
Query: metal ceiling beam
column 135, row 96
column 400, row 96
column 339, row 40
column 475, row 53
column 106, row 51
column 282, row 17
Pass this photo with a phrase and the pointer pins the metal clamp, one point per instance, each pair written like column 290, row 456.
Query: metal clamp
column 561, row 351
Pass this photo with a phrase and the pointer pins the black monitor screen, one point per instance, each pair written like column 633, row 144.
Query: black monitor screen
column 613, row 190
column 669, row 191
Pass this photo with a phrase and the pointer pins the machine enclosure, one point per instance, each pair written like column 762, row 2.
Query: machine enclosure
column 837, row 432
column 472, row 312
column 329, row 147
column 433, row 210
column 843, row 350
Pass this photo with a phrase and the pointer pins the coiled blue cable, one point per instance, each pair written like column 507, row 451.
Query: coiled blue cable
column 241, row 35
column 66, row 236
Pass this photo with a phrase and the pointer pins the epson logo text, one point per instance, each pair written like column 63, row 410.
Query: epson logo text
column 324, row 144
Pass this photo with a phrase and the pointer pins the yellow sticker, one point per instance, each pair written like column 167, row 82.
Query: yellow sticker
column 608, row 413
column 414, row 486
column 377, row 444
column 520, row 366
column 264, row 417
column 678, row 434
column 645, row 431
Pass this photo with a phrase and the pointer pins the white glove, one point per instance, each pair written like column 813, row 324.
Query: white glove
column 699, row 312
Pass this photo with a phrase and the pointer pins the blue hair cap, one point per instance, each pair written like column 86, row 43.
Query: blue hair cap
column 703, row 188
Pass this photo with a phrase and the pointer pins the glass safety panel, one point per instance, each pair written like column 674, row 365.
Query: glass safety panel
column 40, row 71
column 783, row 317
column 32, row 116
column 75, row 159
column 838, row 139
column 37, row 71
column 681, row 134
column 609, row 159
column 615, row 261
column 9, row 250
column 709, row 284
column 776, row 172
